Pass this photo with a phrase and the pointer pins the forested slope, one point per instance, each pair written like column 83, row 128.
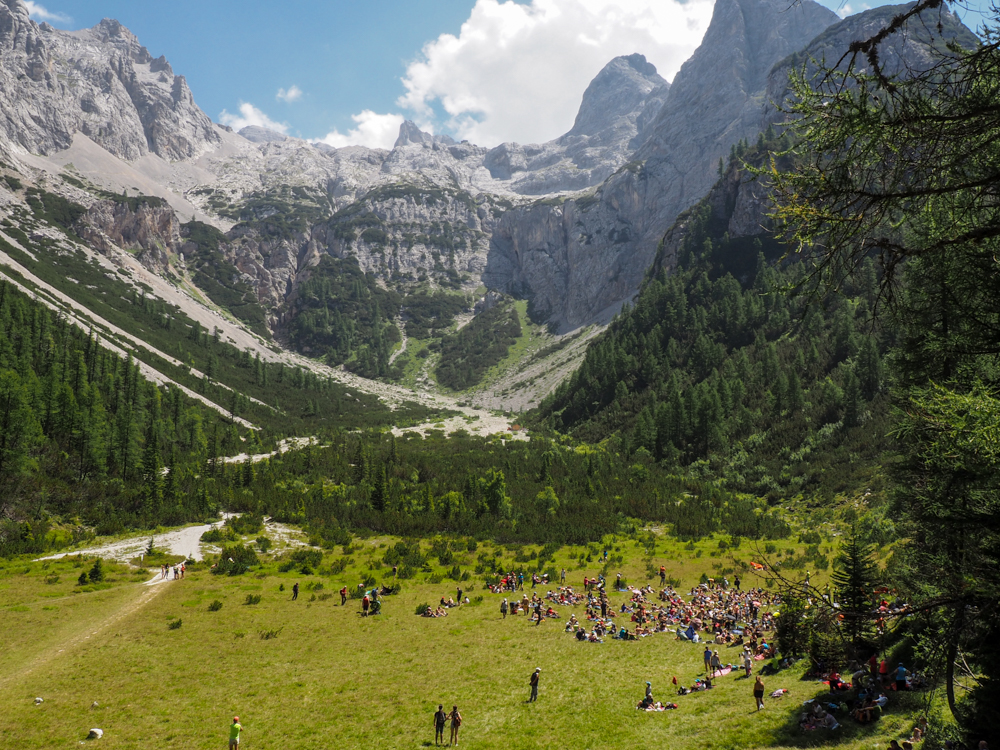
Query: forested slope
column 717, row 368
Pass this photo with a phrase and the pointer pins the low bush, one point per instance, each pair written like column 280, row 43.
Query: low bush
column 252, row 599
column 340, row 565
column 236, row 560
column 215, row 606
column 175, row 624
column 218, row 535
column 248, row 523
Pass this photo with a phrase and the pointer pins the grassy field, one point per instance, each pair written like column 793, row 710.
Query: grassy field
column 327, row 677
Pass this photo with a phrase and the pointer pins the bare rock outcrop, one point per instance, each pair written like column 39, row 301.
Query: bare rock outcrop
column 583, row 257
column 100, row 82
column 147, row 227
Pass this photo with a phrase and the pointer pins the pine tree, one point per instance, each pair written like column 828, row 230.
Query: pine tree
column 855, row 577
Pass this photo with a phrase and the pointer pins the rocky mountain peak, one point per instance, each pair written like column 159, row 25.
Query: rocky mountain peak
column 619, row 90
column 409, row 133
column 729, row 69
column 257, row 134
column 100, row 82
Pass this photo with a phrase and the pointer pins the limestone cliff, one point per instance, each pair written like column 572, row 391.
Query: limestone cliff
column 100, row 82
column 583, row 258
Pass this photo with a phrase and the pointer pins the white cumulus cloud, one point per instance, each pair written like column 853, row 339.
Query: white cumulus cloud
column 292, row 94
column 516, row 72
column 847, row 9
column 39, row 12
column 373, row 130
column 250, row 115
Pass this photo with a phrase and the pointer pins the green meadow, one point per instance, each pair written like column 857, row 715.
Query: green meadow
column 314, row 674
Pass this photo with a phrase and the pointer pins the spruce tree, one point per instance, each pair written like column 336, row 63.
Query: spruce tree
column 855, row 577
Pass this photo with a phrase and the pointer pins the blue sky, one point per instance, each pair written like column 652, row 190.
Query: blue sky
column 348, row 71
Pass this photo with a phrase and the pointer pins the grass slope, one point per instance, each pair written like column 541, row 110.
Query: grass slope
column 332, row 679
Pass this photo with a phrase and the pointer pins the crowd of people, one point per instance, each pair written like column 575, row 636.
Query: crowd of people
column 717, row 613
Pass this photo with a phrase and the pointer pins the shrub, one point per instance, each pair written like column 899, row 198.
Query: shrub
column 421, row 608
column 263, row 543
column 304, row 559
column 405, row 554
column 252, row 599
column 175, row 624
column 340, row 565
column 218, row 535
column 96, row 574
column 266, row 635
column 82, row 580
column 236, row 560
column 215, row 606
column 248, row 523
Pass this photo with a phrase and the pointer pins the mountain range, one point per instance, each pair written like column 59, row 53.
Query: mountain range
column 242, row 221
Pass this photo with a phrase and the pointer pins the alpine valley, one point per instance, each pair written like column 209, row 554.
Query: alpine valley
column 634, row 345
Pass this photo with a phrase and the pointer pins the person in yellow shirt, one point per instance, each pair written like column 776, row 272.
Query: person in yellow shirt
column 234, row 733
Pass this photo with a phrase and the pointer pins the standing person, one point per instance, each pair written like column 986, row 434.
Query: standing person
column 440, row 717
column 663, row 575
column 716, row 663
column 295, row 591
column 538, row 614
column 758, row 693
column 708, row 658
column 365, row 603
column 456, row 722
column 604, row 606
column 459, row 597
column 520, row 581
column 747, row 663
column 234, row 733
column 736, row 582
column 562, row 576
column 343, row 596
column 503, row 609
column 900, row 677
column 533, row 681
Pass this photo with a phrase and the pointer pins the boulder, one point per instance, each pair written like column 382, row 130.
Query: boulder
column 95, row 734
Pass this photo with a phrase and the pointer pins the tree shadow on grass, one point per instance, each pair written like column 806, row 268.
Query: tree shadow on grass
column 789, row 734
